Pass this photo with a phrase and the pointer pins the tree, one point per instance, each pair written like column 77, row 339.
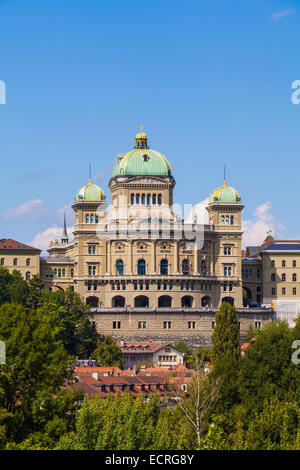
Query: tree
column 276, row 427
column 36, row 365
column 267, row 370
column 202, row 396
column 108, row 352
column 5, row 281
column 226, row 354
column 124, row 423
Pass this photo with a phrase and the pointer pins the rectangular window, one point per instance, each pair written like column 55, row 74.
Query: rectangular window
column 258, row 274
column 142, row 325
column 222, row 219
column 294, row 291
column 273, row 291
column 231, row 220
column 257, row 325
column 116, row 325
column 212, row 325
column 167, row 325
column 191, row 325
column 135, row 285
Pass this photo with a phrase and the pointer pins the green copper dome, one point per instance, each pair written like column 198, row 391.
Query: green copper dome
column 90, row 192
column 224, row 194
column 142, row 161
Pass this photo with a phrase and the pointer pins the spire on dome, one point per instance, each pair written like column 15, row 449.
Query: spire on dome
column 141, row 139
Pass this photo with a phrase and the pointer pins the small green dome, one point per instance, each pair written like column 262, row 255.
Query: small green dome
column 224, row 194
column 90, row 192
column 142, row 160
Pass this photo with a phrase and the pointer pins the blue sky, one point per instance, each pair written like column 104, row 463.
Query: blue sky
column 210, row 81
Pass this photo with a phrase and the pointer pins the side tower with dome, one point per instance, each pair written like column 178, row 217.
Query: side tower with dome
column 225, row 216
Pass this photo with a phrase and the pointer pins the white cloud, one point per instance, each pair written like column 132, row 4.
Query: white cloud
column 198, row 213
column 42, row 239
column 282, row 14
column 31, row 209
column 255, row 229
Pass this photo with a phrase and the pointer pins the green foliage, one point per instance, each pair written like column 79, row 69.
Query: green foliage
column 276, row 427
column 108, row 352
column 37, row 366
column 124, row 423
column 226, row 354
column 266, row 370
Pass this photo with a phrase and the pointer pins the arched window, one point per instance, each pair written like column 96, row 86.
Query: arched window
column 283, row 263
column 92, row 218
column 141, row 267
column 153, row 199
column 118, row 301
column 55, row 273
column 120, row 267
column 206, row 301
column 294, row 291
column 272, row 277
column 137, row 199
column 28, row 262
column 159, row 199
column 141, row 301
column 185, row 267
column 59, row 272
column 187, row 301
column 283, row 277
column 63, row 272
column 94, row 270
column 164, row 267
column 132, row 199
column 27, row 277
column 143, row 199
column 15, row 261
column 87, row 219
column 294, row 263
column 294, row 277
column 165, row 301
column 148, row 199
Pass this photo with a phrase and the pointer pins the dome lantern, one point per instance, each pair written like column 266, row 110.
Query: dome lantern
column 141, row 139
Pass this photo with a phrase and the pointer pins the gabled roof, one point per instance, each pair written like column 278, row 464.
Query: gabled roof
column 10, row 244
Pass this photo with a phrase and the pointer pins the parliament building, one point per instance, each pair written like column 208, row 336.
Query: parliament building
column 143, row 270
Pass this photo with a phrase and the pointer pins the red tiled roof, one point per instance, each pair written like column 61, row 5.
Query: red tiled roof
column 10, row 244
column 100, row 370
column 142, row 347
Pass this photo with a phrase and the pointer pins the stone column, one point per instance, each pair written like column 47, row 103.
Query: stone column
column 130, row 258
column 196, row 270
column 108, row 257
column 154, row 257
column 176, row 258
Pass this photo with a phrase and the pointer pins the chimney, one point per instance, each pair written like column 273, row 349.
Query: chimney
column 95, row 375
column 111, row 372
column 134, row 371
column 121, row 341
